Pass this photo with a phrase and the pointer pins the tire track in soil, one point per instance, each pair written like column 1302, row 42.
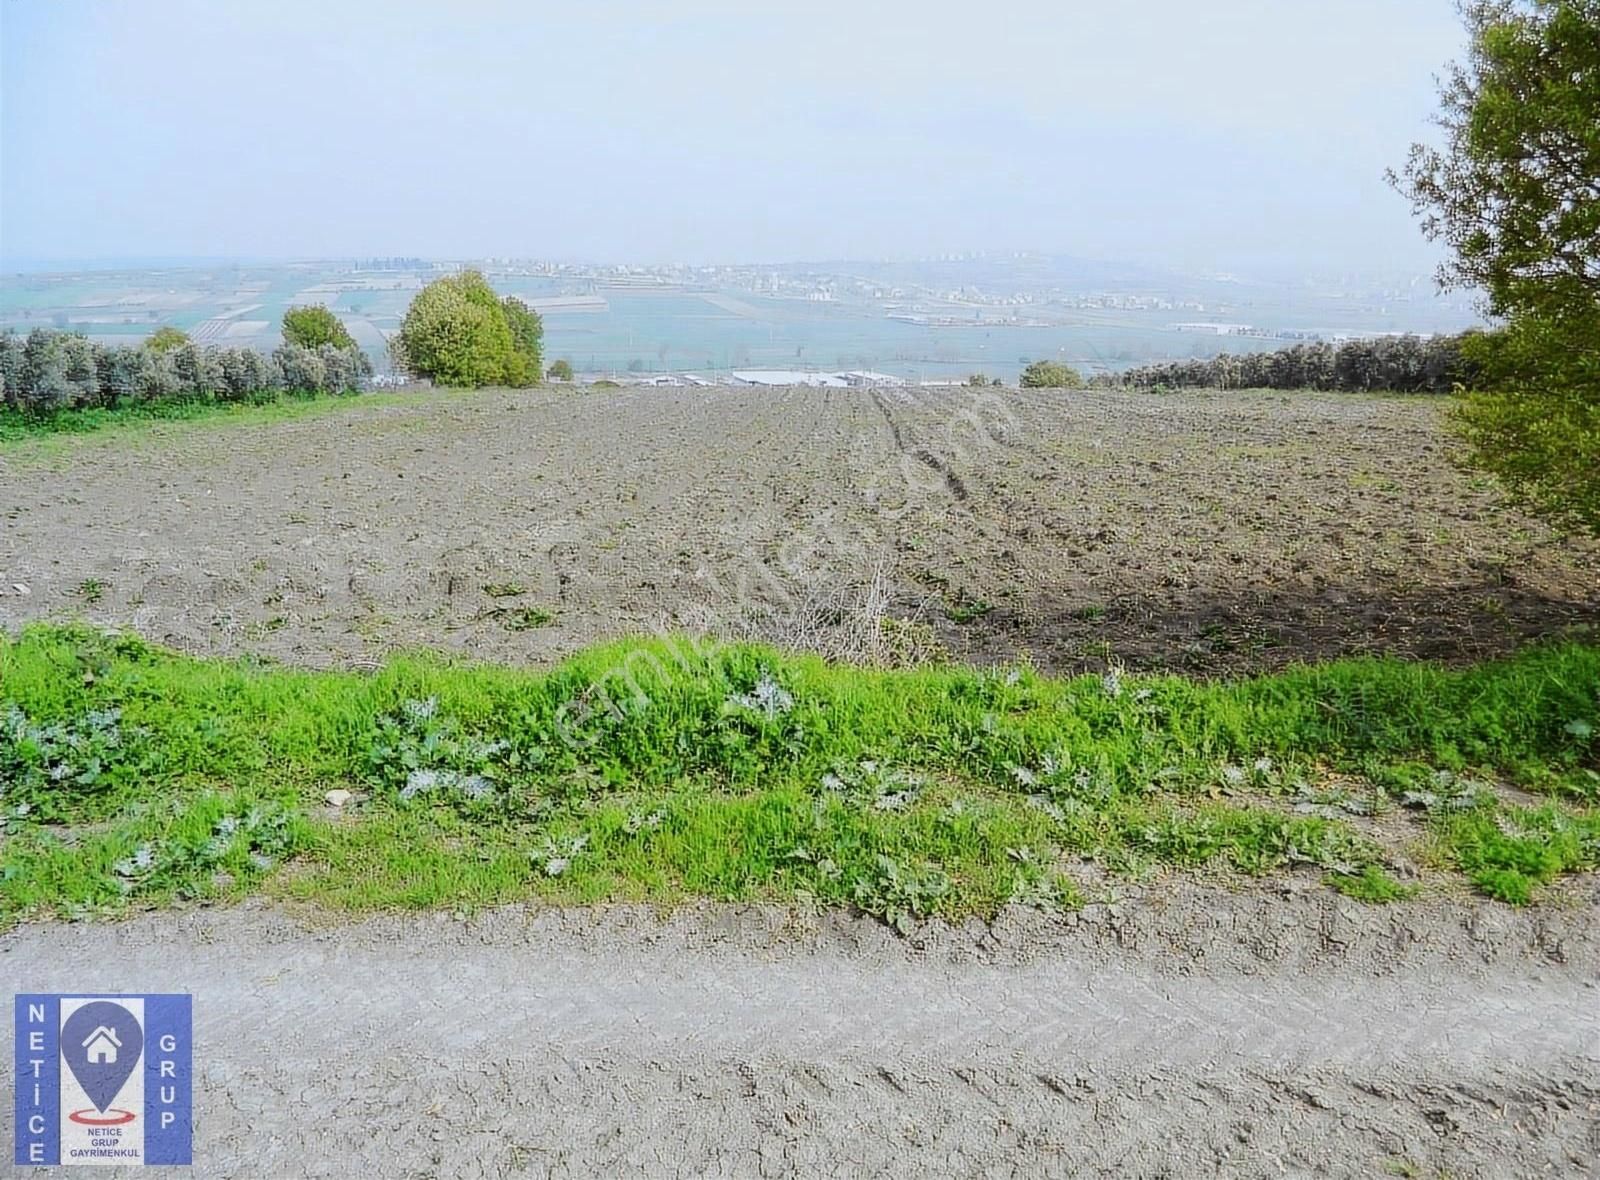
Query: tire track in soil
column 921, row 454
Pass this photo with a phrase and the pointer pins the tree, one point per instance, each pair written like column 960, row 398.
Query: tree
column 527, row 338
column 1515, row 193
column 165, row 339
column 1051, row 375
column 561, row 370
column 1535, row 422
column 1515, row 190
column 456, row 333
column 314, row 326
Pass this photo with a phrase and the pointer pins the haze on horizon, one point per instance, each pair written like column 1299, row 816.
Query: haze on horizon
column 1242, row 133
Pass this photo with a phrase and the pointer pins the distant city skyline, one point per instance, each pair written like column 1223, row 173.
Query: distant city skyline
column 1232, row 135
column 1124, row 269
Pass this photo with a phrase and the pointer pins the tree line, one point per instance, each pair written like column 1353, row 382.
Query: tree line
column 1400, row 364
column 50, row 370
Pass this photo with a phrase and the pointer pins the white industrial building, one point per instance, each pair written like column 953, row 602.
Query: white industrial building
column 852, row 379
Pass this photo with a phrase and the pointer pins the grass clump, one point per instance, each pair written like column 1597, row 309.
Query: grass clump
column 1372, row 884
column 663, row 769
column 1509, row 852
column 967, row 610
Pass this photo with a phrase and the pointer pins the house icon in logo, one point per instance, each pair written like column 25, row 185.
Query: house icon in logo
column 102, row 1045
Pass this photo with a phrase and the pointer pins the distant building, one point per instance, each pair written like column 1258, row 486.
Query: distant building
column 864, row 377
column 854, row 379
column 1218, row 329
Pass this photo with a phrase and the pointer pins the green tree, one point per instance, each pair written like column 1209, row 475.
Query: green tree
column 455, row 333
column 1051, row 375
column 526, row 362
column 1514, row 191
column 314, row 326
column 165, row 339
column 1535, row 422
column 561, row 370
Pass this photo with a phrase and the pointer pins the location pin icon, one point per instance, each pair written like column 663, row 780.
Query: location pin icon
column 102, row 1043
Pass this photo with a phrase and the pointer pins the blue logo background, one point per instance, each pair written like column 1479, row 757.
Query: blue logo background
column 163, row 1048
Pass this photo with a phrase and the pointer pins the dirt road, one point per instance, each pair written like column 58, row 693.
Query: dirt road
column 1198, row 532
column 1421, row 1042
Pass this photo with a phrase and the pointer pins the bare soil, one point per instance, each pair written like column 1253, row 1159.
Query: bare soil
column 1196, row 1035
column 1206, row 532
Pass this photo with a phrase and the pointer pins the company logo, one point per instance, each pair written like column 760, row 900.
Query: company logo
column 104, row 1079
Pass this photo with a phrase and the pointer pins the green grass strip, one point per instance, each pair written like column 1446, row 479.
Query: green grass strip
column 17, row 426
column 661, row 769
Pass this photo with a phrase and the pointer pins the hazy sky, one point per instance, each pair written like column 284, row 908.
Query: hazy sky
column 1220, row 134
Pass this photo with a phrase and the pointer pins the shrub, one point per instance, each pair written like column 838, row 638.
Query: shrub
column 157, row 376
column 1051, row 375
column 118, row 372
column 58, row 371
column 244, row 372
column 561, row 370
column 314, row 326
column 344, row 369
column 12, row 350
column 196, row 370
column 302, row 368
